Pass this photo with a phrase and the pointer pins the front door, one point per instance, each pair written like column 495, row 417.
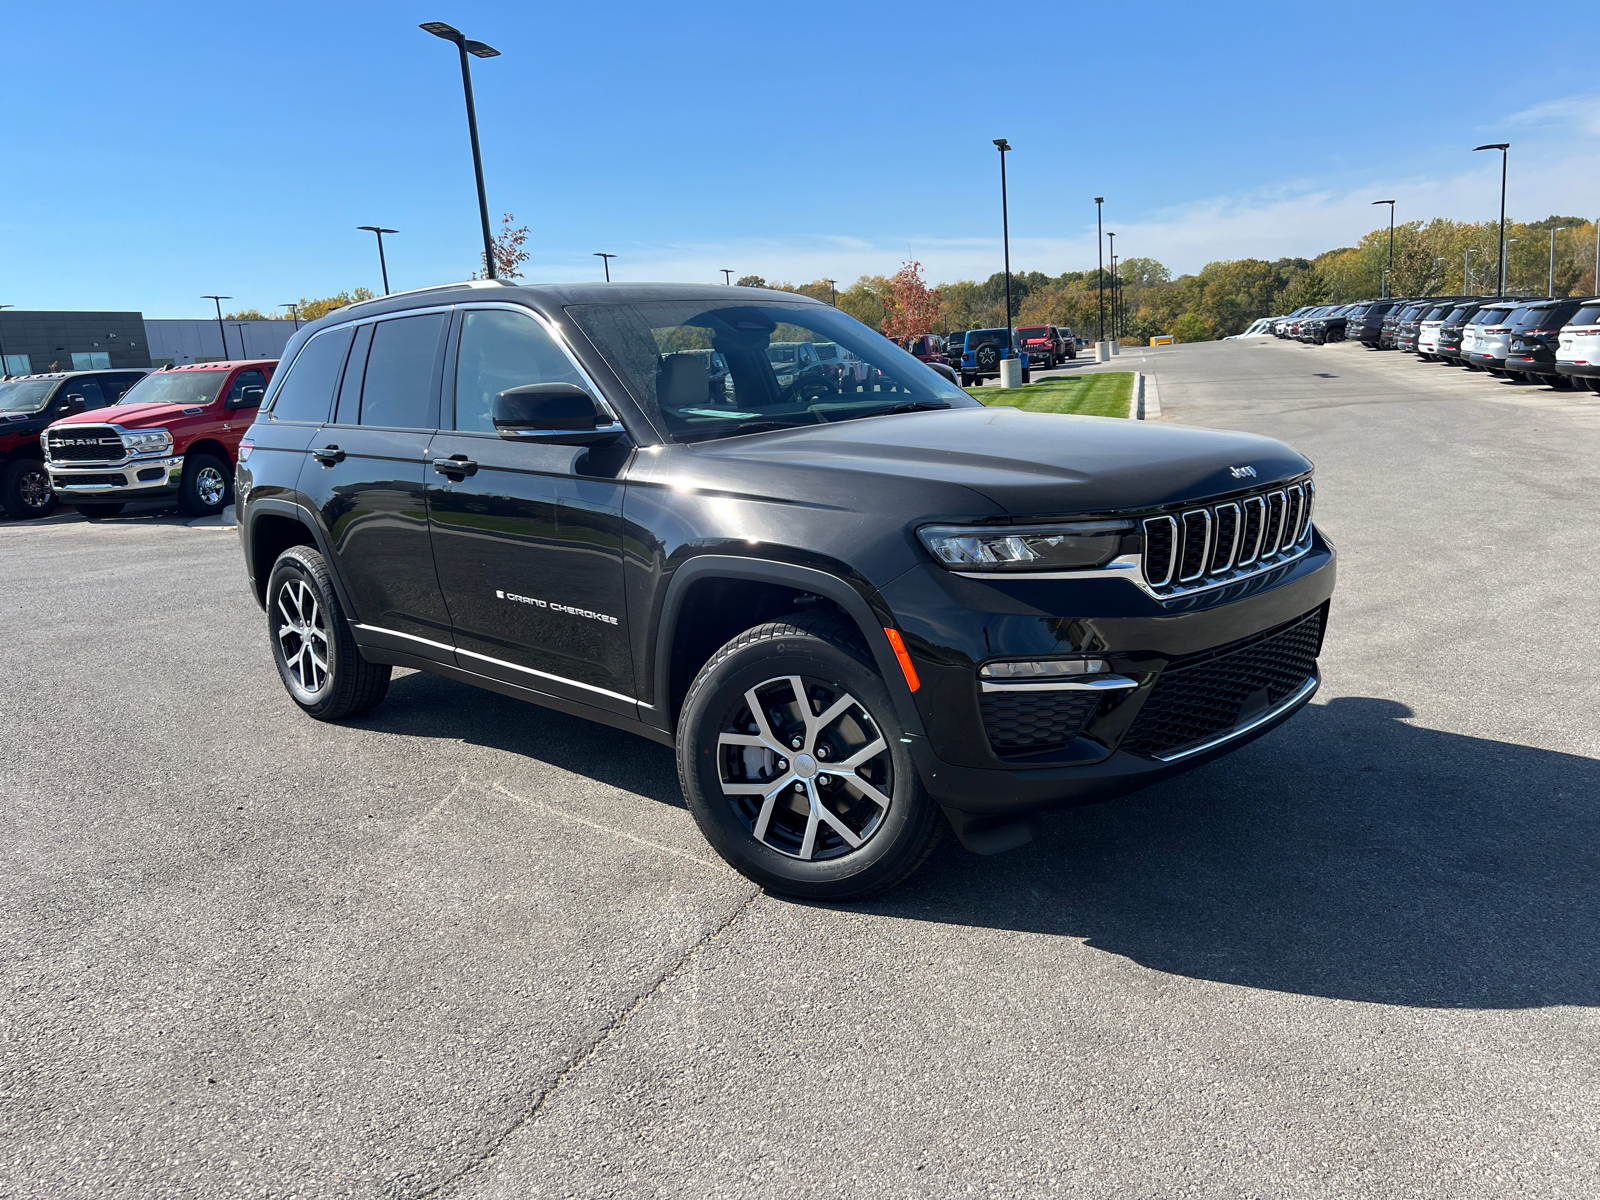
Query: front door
column 527, row 537
column 365, row 472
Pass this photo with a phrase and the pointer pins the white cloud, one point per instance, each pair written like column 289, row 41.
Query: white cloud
column 1576, row 112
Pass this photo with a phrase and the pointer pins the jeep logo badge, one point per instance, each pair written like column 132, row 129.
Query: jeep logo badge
column 1242, row 472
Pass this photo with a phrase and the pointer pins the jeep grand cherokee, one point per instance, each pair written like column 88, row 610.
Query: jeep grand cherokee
column 848, row 611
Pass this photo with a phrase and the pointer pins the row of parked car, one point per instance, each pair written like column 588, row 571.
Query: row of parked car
column 974, row 355
column 99, row 439
column 1550, row 340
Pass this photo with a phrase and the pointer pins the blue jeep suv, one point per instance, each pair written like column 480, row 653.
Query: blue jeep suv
column 983, row 352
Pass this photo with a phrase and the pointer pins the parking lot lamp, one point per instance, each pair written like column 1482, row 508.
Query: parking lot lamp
column 243, row 353
column 606, row 259
column 1505, row 153
column 1390, row 203
column 220, row 330
column 294, row 311
column 1111, row 253
column 383, row 264
column 1005, row 229
column 727, row 275
column 833, row 291
column 1552, row 289
column 478, row 50
column 1100, row 264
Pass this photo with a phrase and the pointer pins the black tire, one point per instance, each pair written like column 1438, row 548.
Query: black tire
column 766, row 836
column 1072, row 354
column 25, row 489
column 303, row 610
column 93, row 512
column 968, row 380
column 207, row 486
column 987, row 358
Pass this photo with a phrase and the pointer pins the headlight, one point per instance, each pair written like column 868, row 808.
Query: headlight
column 1080, row 544
column 148, row 441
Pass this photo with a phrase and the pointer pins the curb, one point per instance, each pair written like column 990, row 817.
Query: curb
column 1147, row 398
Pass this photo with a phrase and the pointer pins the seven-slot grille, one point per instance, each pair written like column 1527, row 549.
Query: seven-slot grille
column 1217, row 543
column 85, row 443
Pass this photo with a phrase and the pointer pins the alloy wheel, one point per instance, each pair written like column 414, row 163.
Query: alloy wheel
column 805, row 768
column 34, row 489
column 303, row 636
column 210, row 486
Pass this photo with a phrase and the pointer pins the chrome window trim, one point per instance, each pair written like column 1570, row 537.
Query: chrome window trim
column 499, row 662
column 1205, row 546
column 1305, row 692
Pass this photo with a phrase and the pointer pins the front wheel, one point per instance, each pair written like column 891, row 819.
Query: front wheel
column 791, row 760
column 206, row 487
column 315, row 652
column 25, row 489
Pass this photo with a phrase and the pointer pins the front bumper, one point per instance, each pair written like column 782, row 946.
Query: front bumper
column 135, row 479
column 952, row 624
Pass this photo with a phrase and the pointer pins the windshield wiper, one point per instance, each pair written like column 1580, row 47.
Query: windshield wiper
column 693, row 435
column 906, row 407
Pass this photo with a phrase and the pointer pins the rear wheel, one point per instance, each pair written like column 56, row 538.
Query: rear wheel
column 315, row 652
column 94, row 512
column 25, row 489
column 206, row 488
column 791, row 759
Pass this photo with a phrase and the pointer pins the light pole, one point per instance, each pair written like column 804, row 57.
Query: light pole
column 220, row 330
column 1466, row 269
column 383, row 264
column 1005, row 229
column 1100, row 264
column 1390, row 203
column 4, row 372
column 478, row 50
column 606, row 259
column 243, row 353
column 1505, row 153
column 294, row 311
column 727, row 275
column 1111, row 253
column 1552, row 290
column 833, row 294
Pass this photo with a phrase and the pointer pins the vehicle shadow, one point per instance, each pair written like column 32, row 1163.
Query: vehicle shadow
column 1348, row 854
column 420, row 704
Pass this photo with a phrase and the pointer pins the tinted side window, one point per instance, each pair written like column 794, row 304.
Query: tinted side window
column 398, row 389
column 115, row 385
column 253, row 377
column 89, row 389
column 307, row 390
column 349, row 409
column 501, row 350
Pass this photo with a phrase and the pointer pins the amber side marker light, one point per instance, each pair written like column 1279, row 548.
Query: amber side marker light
column 906, row 667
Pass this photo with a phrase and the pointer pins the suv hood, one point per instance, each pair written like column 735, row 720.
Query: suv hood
column 135, row 416
column 1027, row 463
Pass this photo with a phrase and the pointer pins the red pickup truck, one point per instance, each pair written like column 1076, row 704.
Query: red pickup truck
column 174, row 433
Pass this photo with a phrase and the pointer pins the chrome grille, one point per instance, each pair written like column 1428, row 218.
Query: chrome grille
column 1204, row 547
column 84, row 443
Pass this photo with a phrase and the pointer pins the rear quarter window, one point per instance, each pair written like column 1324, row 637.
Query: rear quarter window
column 306, row 392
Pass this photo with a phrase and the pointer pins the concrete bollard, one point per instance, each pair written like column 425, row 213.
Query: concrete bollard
column 1102, row 352
column 1116, row 346
column 1010, row 372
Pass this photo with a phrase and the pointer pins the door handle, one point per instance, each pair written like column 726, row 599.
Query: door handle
column 456, row 464
column 328, row 455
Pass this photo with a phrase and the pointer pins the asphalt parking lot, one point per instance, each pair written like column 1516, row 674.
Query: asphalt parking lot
column 468, row 947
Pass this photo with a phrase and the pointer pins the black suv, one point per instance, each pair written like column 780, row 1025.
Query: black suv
column 1365, row 322
column 846, row 612
column 28, row 403
column 1537, row 337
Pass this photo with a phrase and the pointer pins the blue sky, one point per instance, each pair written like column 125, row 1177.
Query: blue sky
column 156, row 152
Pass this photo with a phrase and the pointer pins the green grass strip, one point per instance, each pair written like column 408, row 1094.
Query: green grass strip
column 1101, row 395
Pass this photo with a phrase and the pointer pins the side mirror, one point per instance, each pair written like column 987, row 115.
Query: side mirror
column 558, row 414
column 77, row 404
column 249, row 397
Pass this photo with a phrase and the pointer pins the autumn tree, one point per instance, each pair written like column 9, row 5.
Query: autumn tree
column 751, row 281
column 916, row 308
column 508, row 252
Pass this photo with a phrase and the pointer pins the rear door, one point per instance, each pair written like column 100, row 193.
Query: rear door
column 527, row 537
column 365, row 475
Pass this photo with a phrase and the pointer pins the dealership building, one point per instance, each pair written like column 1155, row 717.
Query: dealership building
column 33, row 343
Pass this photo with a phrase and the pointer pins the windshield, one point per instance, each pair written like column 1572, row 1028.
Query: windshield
column 775, row 377
column 1034, row 331
column 25, row 395
column 175, row 387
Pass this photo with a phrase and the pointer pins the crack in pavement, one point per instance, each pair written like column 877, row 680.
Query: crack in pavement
column 584, row 1056
column 554, row 810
